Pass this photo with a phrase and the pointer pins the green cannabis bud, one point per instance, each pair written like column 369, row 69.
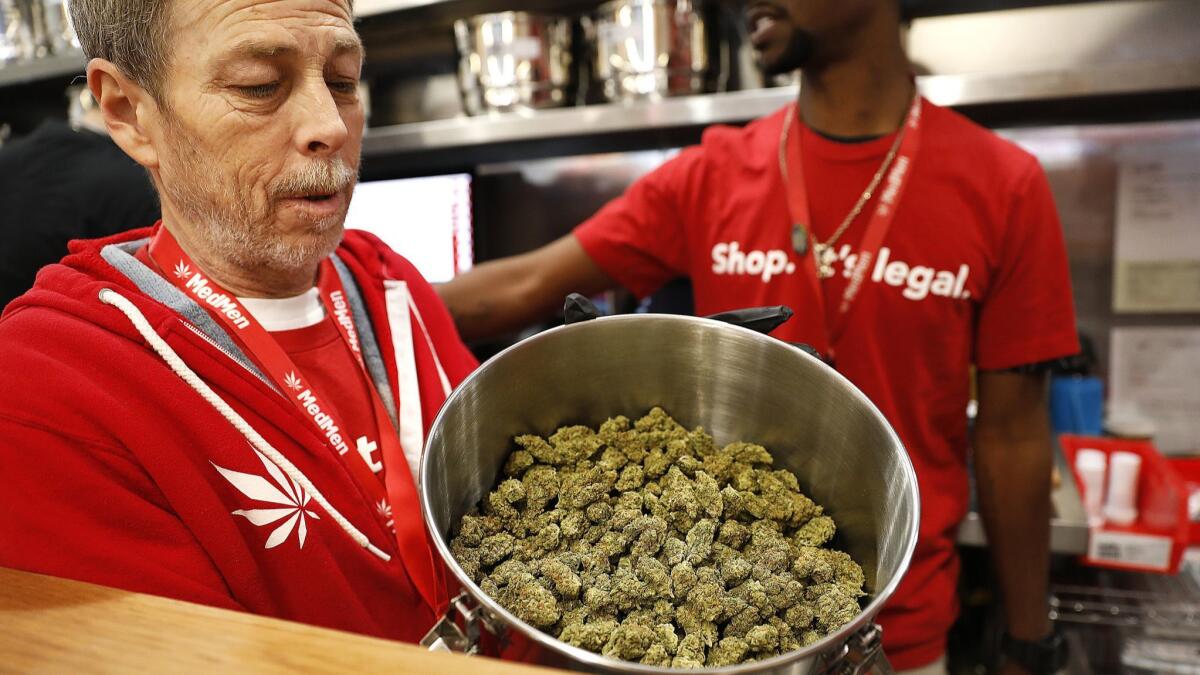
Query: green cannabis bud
column 647, row 542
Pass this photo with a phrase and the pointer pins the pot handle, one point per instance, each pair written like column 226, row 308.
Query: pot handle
column 760, row 319
column 812, row 351
column 862, row 654
column 764, row 320
column 578, row 309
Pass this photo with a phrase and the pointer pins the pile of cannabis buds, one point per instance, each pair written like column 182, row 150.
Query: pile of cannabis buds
column 647, row 542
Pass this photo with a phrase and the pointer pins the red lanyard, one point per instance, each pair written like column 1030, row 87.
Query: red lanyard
column 399, row 492
column 877, row 227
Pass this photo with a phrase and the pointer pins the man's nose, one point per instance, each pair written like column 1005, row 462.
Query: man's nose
column 320, row 129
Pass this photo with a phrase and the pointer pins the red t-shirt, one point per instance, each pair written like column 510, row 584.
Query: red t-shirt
column 326, row 362
column 973, row 271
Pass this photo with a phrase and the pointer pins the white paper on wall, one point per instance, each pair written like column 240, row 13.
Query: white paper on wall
column 1157, row 257
column 1158, row 369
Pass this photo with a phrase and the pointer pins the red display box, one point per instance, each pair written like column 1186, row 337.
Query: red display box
column 1155, row 542
column 1188, row 469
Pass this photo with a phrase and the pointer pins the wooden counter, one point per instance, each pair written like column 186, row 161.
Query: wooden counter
column 51, row 625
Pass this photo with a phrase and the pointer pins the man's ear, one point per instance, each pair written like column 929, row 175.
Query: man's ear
column 130, row 112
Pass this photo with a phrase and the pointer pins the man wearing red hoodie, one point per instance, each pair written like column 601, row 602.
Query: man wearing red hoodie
column 228, row 407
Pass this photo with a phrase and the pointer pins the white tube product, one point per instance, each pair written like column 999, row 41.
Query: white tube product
column 1091, row 466
column 1120, row 507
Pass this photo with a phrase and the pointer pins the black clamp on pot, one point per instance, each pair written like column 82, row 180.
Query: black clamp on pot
column 578, row 308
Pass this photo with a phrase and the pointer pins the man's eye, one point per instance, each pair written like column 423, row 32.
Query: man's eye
column 260, row 90
column 343, row 86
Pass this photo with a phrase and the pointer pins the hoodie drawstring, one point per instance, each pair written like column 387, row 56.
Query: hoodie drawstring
column 110, row 297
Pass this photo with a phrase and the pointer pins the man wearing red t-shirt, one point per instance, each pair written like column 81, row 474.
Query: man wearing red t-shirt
column 912, row 243
column 228, row 407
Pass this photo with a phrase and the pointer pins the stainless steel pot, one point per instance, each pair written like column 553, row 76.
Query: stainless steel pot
column 737, row 384
column 513, row 61
column 649, row 48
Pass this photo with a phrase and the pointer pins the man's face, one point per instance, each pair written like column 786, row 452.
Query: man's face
column 790, row 34
column 262, row 132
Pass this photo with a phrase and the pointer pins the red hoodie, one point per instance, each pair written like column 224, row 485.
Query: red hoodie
column 117, row 472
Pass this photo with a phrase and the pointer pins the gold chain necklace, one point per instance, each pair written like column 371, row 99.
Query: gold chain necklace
column 823, row 251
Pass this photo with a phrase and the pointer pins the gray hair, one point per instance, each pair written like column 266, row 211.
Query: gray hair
column 132, row 34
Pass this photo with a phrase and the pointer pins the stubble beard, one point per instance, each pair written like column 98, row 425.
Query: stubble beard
column 240, row 230
column 797, row 53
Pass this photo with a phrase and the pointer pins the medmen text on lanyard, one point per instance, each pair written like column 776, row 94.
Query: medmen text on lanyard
column 819, row 265
column 399, row 491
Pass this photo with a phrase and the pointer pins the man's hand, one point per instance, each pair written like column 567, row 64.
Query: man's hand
column 1013, row 460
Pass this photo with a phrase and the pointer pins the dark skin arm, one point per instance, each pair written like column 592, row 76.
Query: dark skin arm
column 1013, row 463
column 506, row 295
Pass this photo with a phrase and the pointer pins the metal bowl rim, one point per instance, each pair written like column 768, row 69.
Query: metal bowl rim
column 589, row 658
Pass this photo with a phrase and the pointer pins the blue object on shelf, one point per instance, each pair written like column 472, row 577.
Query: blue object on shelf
column 1077, row 405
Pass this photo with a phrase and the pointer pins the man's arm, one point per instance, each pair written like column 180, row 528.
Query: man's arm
column 637, row 241
column 1013, row 460
column 505, row 295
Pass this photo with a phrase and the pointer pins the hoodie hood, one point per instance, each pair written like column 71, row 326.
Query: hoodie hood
column 92, row 265
column 73, row 284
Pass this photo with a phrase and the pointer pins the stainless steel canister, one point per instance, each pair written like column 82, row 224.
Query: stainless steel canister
column 737, row 384
column 52, row 19
column 649, row 48
column 513, row 61
column 16, row 36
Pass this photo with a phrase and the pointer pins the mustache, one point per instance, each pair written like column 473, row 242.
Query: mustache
column 315, row 178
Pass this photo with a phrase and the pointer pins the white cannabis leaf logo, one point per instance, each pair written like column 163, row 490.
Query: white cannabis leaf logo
column 288, row 494
column 182, row 271
column 292, row 381
column 385, row 510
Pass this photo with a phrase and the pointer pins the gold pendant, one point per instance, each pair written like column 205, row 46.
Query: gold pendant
column 799, row 240
column 825, row 257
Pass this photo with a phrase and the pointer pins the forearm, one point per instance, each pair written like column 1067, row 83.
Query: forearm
column 506, row 295
column 492, row 299
column 1013, row 483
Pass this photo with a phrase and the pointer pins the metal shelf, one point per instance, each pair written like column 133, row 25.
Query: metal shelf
column 593, row 120
column 41, row 69
column 443, row 143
